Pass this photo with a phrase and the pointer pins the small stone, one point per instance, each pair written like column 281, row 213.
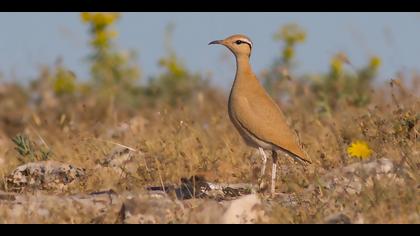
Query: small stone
column 146, row 209
column 44, row 175
column 353, row 178
column 244, row 210
column 338, row 218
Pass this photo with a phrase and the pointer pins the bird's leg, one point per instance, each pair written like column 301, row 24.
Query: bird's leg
column 264, row 161
column 262, row 184
column 273, row 172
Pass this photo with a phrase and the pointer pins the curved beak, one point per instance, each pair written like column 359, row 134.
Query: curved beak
column 216, row 42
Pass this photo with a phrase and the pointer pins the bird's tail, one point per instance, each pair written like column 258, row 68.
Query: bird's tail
column 301, row 160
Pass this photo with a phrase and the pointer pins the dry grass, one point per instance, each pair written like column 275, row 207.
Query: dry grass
column 197, row 138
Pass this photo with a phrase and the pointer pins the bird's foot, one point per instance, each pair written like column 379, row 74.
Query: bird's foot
column 278, row 194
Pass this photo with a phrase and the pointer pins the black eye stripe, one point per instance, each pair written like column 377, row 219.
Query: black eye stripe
column 238, row 42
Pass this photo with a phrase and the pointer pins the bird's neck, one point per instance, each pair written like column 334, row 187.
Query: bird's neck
column 243, row 67
column 244, row 78
column 244, row 74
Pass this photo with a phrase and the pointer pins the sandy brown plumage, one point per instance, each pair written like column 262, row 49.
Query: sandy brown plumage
column 254, row 113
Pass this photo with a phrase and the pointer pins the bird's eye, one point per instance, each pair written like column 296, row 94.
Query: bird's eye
column 238, row 42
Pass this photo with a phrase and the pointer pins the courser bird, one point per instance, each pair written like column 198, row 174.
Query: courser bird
column 255, row 114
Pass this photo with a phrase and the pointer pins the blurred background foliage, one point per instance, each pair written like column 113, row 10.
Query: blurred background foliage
column 178, row 121
column 176, row 83
column 115, row 73
column 343, row 82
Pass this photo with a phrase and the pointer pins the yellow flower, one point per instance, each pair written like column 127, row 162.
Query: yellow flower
column 104, row 18
column 375, row 62
column 336, row 65
column 99, row 19
column 337, row 62
column 85, row 16
column 288, row 53
column 292, row 33
column 359, row 149
column 64, row 82
column 101, row 39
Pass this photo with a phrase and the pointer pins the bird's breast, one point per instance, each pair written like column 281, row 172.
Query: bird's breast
column 248, row 137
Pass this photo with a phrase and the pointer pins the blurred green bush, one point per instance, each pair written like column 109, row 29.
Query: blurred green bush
column 336, row 86
column 176, row 83
column 115, row 73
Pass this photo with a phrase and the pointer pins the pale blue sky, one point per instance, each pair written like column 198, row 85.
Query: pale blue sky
column 29, row 40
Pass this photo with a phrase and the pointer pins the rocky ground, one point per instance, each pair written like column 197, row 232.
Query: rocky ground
column 35, row 195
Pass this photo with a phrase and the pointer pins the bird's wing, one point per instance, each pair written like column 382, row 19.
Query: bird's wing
column 261, row 116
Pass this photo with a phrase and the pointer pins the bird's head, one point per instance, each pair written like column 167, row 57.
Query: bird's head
column 239, row 44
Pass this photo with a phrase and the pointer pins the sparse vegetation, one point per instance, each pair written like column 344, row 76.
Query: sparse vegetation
column 176, row 83
column 27, row 149
column 171, row 140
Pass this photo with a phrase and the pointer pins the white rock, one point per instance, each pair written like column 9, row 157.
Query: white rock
column 353, row 178
column 245, row 210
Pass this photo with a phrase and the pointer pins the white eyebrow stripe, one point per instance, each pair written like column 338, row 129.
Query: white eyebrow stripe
column 246, row 40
